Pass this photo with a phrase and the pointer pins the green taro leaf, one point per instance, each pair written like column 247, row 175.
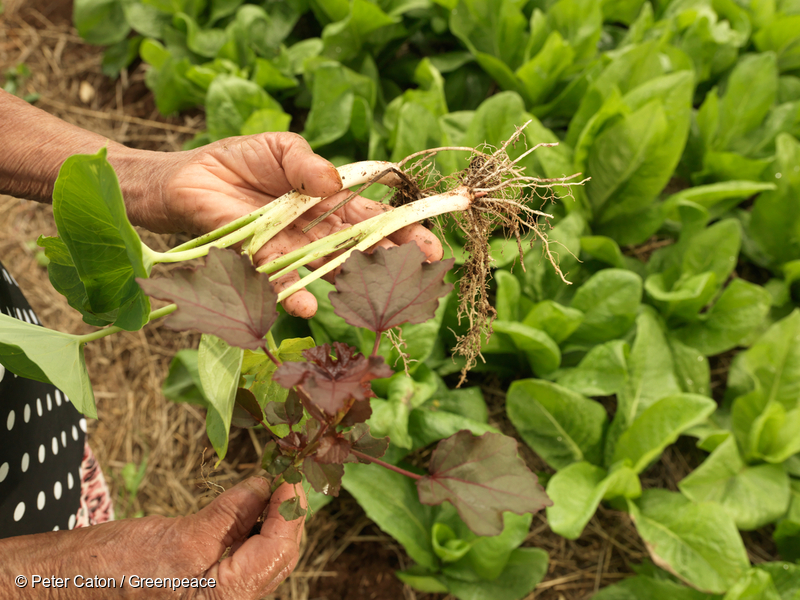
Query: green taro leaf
column 561, row 426
column 49, row 356
column 739, row 310
column 698, row 543
column 576, row 492
column 220, row 366
column 482, row 477
column 659, row 426
column 89, row 212
column 389, row 287
column 399, row 513
column 225, row 297
column 752, row 495
column 609, row 300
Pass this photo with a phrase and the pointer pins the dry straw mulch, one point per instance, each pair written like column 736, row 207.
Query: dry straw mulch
column 345, row 556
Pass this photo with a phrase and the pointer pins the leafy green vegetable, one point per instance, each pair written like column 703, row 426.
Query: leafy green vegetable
column 697, row 542
column 106, row 250
column 562, row 426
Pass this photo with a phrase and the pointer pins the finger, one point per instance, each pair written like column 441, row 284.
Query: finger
column 306, row 171
column 424, row 238
column 232, row 514
column 265, row 560
column 360, row 208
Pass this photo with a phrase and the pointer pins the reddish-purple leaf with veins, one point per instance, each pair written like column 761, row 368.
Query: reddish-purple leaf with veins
column 482, row 477
column 325, row 478
column 333, row 449
column 226, row 297
column 363, row 441
column 389, row 287
column 329, row 381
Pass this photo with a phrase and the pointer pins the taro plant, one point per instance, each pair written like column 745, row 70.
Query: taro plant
column 313, row 401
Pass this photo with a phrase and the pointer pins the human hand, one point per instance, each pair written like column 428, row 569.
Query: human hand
column 208, row 187
column 183, row 547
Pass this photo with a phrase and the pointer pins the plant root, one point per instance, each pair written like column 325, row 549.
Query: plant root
column 502, row 195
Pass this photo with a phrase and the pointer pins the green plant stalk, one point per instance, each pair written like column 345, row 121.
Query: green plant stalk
column 101, row 333
column 267, row 221
column 363, row 236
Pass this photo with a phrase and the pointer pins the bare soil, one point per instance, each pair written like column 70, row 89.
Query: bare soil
column 345, row 556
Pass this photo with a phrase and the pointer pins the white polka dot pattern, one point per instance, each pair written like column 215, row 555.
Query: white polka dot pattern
column 10, row 420
column 26, row 415
column 19, row 511
column 40, row 500
column 26, row 460
column 3, row 471
column 57, row 490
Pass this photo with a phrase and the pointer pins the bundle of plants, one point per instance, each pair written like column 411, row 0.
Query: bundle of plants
column 311, row 400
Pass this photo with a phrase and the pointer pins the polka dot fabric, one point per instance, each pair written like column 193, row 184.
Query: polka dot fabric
column 41, row 443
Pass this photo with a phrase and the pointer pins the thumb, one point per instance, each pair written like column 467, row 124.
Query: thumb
column 306, row 171
column 264, row 560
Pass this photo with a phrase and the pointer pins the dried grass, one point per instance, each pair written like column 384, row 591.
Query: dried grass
column 135, row 421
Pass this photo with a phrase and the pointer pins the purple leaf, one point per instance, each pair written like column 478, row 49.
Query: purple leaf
column 482, row 477
column 326, row 479
column 358, row 413
column 226, row 297
column 290, row 509
column 333, row 449
column 362, row 440
column 389, row 287
column 289, row 412
column 330, row 382
column 246, row 411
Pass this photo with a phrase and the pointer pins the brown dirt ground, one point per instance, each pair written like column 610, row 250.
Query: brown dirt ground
column 345, row 555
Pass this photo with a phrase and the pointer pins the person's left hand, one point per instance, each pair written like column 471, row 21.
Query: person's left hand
column 157, row 547
column 206, row 188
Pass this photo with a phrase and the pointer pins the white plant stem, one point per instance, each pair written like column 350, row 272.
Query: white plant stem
column 267, row 221
column 363, row 236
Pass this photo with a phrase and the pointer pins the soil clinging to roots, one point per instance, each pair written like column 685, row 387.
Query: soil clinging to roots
column 501, row 199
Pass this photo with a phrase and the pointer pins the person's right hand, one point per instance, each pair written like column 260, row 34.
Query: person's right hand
column 183, row 547
column 199, row 190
